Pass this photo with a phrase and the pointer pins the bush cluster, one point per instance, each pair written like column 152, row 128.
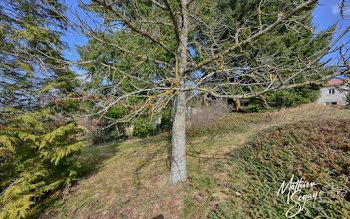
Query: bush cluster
column 283, row 98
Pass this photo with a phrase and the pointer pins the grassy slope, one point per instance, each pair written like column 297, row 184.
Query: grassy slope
column 130, row 179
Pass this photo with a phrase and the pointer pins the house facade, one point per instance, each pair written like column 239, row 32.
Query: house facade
column 334, row 93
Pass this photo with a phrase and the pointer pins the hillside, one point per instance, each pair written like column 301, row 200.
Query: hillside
column 235, row 168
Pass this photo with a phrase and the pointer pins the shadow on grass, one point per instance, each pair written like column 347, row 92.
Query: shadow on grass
column 157, row 156
column 91, row 159
column 93, row 156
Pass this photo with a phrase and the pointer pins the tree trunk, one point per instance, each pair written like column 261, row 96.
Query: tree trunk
column 178, row 172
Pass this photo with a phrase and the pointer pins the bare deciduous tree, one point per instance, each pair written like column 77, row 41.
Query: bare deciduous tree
column 166, row 50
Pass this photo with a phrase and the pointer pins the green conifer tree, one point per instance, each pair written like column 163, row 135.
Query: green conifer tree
column 30, row 52
column 37, row 135
column 288, row 44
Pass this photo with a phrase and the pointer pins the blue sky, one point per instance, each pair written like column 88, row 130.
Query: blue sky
column 326, row 14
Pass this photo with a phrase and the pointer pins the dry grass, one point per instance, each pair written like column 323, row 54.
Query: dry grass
column 207, row 114
column 131, row 178
column 131, row 184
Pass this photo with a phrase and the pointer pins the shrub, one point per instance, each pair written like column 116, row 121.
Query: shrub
column 167, row 121
column 139, row 127
column 143, row 128
column 34, row 152
column 283, row 98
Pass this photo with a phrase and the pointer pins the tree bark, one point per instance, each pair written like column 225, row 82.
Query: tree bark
column 178, row 172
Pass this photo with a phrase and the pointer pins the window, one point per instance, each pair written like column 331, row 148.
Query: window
column 331, row 91
column 331, row 103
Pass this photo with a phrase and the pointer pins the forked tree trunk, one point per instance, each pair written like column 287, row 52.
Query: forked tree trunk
column 178, row 172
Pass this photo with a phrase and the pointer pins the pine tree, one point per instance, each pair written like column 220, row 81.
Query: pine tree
column 30, row 52
column 37, row 134
column 102, row 54
column 192, row 50
column 288, row 44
